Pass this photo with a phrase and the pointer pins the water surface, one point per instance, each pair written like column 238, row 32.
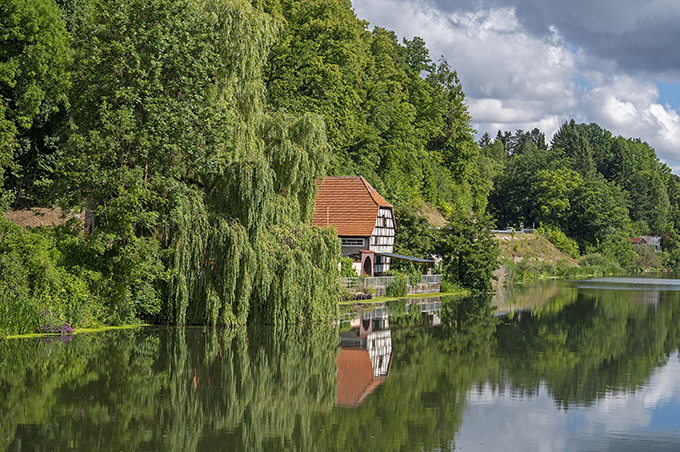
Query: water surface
column 558, row 366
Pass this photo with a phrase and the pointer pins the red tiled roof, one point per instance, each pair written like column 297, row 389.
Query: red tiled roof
column 348, row 203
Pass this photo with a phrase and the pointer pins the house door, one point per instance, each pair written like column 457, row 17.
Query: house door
column 368, row 266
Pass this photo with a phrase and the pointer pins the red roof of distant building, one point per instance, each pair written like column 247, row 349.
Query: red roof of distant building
column 350, row 204
column 637, row 240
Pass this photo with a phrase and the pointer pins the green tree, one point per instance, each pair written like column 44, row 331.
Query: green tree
column 201, row 199
column 317, row 62
column 573, row 139
column 518, row 194
column 598, row 212
column 554, row 189
column 35, row 55
column 469, row 251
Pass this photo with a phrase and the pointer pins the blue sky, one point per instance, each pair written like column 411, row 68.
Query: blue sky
column 669, row 93
column 539, row 63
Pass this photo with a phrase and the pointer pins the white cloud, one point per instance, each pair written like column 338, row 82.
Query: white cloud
column 520, row 72
column 630, row 108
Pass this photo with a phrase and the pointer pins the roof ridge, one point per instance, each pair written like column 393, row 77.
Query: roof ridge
column 380, row 201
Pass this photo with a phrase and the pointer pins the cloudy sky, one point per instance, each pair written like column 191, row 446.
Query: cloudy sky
column 539, row 63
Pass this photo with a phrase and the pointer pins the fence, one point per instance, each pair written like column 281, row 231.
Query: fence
column 375, row 282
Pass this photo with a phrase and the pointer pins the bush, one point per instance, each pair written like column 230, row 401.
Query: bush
column 397, row 287
column 594, row 260
column 560, row 240
column 415, row 276
column 34, row 280
column 346, row 270
column 450, row 286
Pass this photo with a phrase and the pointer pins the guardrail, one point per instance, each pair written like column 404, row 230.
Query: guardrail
column 382, row 281
column 431, row 279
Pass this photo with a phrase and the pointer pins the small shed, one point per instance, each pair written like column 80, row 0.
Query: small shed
column 648, row 240
column 362, row 217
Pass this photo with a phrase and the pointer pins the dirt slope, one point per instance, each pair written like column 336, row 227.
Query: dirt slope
column 531, row 247
column 37, row 216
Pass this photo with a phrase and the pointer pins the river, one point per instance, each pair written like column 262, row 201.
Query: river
column 555, row 366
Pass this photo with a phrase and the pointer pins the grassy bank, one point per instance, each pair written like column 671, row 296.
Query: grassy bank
column 379, row 300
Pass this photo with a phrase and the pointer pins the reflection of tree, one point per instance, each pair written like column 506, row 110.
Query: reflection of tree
column 602, row 341
column 546, row 296
column 51, row 393
column 274, row 388
column 177, row 389
column 421, row 404
column 473, row 322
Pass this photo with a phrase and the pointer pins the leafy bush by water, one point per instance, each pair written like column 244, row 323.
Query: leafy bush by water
column 397, row 287
column 33, row 278
column 560, row 240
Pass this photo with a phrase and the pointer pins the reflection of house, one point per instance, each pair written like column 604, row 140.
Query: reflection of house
column 646, row 297
column 363, row 219
column 648, row 240
column 364, row 360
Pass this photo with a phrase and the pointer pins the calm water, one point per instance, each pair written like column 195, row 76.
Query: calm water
column 559, row 366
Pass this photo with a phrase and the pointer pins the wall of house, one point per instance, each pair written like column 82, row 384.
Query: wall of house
column 352, row 245
column 382, row 240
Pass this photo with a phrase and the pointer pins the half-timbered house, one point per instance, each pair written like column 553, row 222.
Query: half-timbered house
column 363, row 219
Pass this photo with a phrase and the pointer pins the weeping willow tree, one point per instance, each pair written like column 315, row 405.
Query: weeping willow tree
column 186, row 173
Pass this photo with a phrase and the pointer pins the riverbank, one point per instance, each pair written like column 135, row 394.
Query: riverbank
column 380, row 300
column 77, row 331
column 528, row 257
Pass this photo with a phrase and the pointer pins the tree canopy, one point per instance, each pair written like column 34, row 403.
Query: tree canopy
column 187, row 137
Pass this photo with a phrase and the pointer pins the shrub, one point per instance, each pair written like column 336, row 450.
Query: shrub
column 594, row 260
column 560, row 240
column 346, row 270
column 397, row 286
column 449, row 286
column 414, row 275
column 33, row 279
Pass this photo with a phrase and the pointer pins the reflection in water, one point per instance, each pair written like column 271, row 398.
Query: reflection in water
column 644, row 419
column 365, row 357
column 639, row 284
column 437, row 374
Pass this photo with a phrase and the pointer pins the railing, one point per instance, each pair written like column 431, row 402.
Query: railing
column 382, row 281
column 431, row 279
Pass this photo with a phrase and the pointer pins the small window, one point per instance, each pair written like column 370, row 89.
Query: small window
column 352, row 242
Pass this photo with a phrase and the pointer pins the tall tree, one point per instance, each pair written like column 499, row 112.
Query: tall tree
column 34, row 57
column 201, row 198
column 573, row 139
column 469, row 251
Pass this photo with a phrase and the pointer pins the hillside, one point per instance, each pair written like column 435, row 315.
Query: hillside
column 531, row 247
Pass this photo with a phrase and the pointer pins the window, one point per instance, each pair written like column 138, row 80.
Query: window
column 352, row 242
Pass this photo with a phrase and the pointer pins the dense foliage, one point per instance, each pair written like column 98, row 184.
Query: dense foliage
column 392, row 115
column 597, row 189
column 197, row 199
column 469, row 252
column 35, row 53
column 189, row 136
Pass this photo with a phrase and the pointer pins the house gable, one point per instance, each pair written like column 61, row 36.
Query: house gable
column 362, row 217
